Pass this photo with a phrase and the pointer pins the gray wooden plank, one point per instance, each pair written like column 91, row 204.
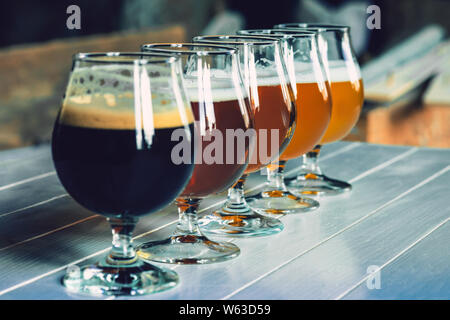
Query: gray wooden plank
column 335, row 265
column 422, row 272
column 51, row 207
column 303, row 233
column 16, row 155
column 293, row 166
column 15, row 199
column 24, row 200
column 59, row 248
column 42, row 288
column 39, row 220
column 31, row 168
column 25, row 165
column 223, row 268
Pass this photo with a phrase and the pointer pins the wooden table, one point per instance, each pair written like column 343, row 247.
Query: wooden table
column 396, row 219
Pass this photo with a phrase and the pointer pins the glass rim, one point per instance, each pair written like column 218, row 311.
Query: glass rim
column 299, row 34
column 313, row 26
column 259, row 40
column 142, row 58
column 161, row 47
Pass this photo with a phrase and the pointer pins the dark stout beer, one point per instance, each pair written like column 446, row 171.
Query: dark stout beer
column 104, row 166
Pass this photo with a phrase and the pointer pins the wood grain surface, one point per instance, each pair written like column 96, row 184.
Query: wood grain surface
column 395, row 218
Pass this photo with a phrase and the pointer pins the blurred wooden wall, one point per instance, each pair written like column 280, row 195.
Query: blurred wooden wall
column 34, row 78
column 413, row 124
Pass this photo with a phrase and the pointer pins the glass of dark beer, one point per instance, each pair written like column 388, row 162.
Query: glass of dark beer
column 112, row 148
column 223, row 118
column 347, row 95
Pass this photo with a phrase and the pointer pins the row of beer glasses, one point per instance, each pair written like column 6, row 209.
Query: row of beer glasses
column 114, row 149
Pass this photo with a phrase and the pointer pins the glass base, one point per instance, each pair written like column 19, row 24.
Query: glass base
column 277, row 203
column 242, row 224
column 317, row 184
column 102, row 279
column 188, row 249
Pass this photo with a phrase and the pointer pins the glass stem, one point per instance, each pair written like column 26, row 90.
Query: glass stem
column 275, row 176
column 310, row 163
column 122, row 251
column 236, row 203
column 236, row 192
column 187, row 222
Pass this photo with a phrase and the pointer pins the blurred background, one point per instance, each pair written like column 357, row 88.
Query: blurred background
column 405, row 63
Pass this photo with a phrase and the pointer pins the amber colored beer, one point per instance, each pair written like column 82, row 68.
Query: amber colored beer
column 216, row 177
column 347, row 102
column 313, row 116
column 272, row 110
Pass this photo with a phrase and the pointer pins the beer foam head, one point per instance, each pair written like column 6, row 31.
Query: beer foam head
column 218, row 85
column 338, row 71
column 110, row 97
column 267, row 75
column 341, row 71
column 213, row 85
column 269, row 80
column 308, row 72
column 215, row 95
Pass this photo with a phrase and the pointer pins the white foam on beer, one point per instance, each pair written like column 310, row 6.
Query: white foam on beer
column 104, row 97
column 338, row 71
column 214, row 93
column 219, row 86
column 342, row 71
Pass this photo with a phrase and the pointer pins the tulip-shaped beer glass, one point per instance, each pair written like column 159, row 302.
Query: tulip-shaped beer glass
column 273, row 102
column 347, row 100
column 112, row 148
column 236, row 218
column 311, row 91
column 222, row 113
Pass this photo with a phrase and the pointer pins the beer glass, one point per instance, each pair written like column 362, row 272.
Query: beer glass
column 112, row 148
column 311, row 90
column 221, row 109
column 236, row 218
column 347, row 100
column 271, row 95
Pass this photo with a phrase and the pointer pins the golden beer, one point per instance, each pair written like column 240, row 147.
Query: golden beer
column 348, row 99
column 313, row 116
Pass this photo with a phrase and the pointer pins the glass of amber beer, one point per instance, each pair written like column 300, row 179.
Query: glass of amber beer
column 221, row 109
column 258, row 59
column 274, row 108
column 312, row 93
column 347, row 100
column 112, row 149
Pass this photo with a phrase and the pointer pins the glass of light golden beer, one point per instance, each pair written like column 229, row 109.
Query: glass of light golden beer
column 347, row 100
